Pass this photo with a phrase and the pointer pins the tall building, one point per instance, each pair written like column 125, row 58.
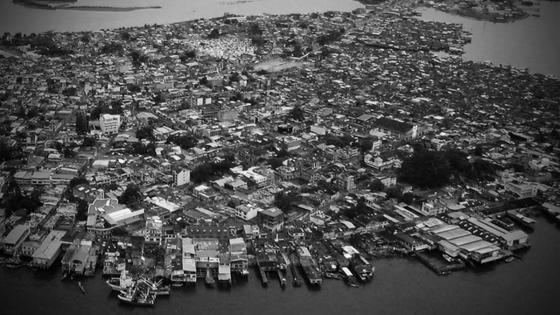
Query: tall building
column 181, row 177
column 109, row 124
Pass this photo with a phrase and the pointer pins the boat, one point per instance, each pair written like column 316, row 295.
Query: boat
column 362, row 268
column 81, row 287
column 13, row 263
column 509, row 259
column 157, row 287
column 349, row 277
column 137, row 296
column 120, row 283
column 522, row 220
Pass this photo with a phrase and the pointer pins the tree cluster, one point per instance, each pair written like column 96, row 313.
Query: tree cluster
column 434, row 169
column 185, row 142
column 131, row 196
column 207, row 171
column 283, row 200
column 339, row 141
column 146, row 132
column 114, row 108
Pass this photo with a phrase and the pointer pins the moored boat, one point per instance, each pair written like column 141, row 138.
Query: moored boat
column 123, row 282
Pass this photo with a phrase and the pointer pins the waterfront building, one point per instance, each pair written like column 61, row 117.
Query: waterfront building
column 49, row 250
column 12, row 242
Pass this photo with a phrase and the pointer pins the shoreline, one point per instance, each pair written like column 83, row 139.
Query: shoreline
column 108, row 9
column 67, row 5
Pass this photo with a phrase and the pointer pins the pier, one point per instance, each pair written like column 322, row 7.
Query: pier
column 296, row 282
column 282, row 278
column 439, row 266
column 264, row 279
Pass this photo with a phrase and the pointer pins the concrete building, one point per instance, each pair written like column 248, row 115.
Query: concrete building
column 109, row 124
column 15, row 238
column 181, row 177
column 397, row 128
column 521, row 190
column 271, row 219
column 49, row 250
column 246, row 212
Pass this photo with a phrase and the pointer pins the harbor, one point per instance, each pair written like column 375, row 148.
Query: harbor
column 534, row 277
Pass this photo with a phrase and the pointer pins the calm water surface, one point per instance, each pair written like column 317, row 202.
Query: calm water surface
column 17, row 18
column 532, row 43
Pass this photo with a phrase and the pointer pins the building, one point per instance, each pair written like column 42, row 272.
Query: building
column 181, row 177
column 154, row 230
column 521, row 190
column 49, row 250
column 271, row 218
column 246, row 212
column 109, row 124
column 397, row 128
column 239, row 262
column 15, row 238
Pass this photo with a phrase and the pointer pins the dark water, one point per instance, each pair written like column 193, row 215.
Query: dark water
column 401, row 286
column 532, row 43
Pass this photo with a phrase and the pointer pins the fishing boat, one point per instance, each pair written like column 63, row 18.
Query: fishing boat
column 120, row 283
column 81, row 287
column 158, row 287
column 349, row 277
column 13, row 263
column 138, row 296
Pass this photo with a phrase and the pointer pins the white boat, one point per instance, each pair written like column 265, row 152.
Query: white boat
column 123, row 282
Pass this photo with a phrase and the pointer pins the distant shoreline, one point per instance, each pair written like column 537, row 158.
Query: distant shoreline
column 66, row 5
column 108, row 9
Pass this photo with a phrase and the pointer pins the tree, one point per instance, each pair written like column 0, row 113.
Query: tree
column 215, row 33
column 146, row 132
column 376, row 185
column 77, row 181
column 297, row 114
column 188, row 55
column 130, row 196
column 394, row 192
column 82, row 209
column 6, row 151
column 283, row 200
column 478, row 150
column 133, row 88
column 89, row 142
column 82, row 124
column 366, row 145
column 426, row 169
column 185, row 142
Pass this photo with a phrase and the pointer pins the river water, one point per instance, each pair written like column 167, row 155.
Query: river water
column 532, row 43
column 401, row 286
column 17, row 18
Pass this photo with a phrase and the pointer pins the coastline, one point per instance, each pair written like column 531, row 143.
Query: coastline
column 108, row 9
column 67, row 5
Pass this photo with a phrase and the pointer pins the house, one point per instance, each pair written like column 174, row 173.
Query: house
column 397, row 128
column 109, row 124
column 12, row 242
column 181, row 177
column 246, row 212
column 49, row 250
column 271, row 218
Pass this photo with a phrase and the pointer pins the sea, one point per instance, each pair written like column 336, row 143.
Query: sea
column 528, row 285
